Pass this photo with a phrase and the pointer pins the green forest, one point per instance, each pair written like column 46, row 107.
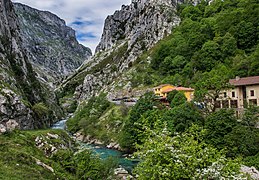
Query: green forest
column 224, row 33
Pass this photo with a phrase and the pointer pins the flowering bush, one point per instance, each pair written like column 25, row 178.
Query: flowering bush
column 184, row 156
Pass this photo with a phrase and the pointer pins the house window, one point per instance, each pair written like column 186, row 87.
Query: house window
column 253, row 102
column 252, row 93
column 225, row 94
column 233, row 94
column 225, row 104
column 217, row 104
column 233, row 103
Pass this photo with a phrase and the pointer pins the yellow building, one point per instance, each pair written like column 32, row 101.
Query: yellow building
column 159, row 90
column 163, row 90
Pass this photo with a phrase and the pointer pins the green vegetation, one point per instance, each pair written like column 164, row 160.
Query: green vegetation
column 40, row 109
column 88, row 114
column 218, row 135
column 171, row 95
column 184, row 156
column 212, row 44
column 133, row 125
column 99, row 118
column 179, row 98
column 210, row 37
column 19, row 156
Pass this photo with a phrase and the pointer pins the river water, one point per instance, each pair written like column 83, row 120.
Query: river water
column 102, row 151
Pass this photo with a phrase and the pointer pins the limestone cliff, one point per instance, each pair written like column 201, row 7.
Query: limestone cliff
column 126, row 35
column 143, row 20
column 52, row 45
column 22, row 97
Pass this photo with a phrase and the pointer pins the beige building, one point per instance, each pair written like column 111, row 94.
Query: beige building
column 245, row 92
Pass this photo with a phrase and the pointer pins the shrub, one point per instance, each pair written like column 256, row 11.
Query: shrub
column 252, row 161
column 178, row 99
column 40, row 109
column 219, row 124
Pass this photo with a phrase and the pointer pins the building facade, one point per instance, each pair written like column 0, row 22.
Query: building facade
column 163, row 90
column 245, row 92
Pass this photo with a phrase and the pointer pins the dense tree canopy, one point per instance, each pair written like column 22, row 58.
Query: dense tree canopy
column 224, row 32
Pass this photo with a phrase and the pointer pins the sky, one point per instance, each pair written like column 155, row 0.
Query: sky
column 86, row 17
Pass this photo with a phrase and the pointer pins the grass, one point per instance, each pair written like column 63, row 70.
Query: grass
column 18, row 152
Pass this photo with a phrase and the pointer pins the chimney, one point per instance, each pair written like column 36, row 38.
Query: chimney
column 237, row 78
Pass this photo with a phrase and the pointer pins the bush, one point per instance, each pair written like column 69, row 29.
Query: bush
column 171, row 95
column 87, row 115
column 242, row 141
column 129, row 131
column 219, row 124
column 84, row 165
column 252, row 161
column 178, row 99
column 184, row 156
column 40, row 109
column 89, row 166
column 182, row 117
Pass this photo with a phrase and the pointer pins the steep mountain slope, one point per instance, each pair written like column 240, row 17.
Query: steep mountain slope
column 127, row 34
column 52, row 45
column 23, row 100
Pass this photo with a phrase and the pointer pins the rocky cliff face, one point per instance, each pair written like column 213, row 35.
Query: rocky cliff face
column 20, row 91
column 126, row 35
column 52, row 45
column 143, row 20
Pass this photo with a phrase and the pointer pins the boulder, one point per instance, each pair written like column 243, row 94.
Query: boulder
column 120, row 170
column 121, row 173
column 52, row 136
column 252, row 171
column 12, row 125
column 2, row 129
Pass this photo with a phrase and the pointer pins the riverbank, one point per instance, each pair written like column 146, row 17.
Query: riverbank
column 112, row 150
column 50, row 154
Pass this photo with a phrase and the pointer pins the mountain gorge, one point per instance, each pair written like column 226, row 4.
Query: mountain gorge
column 197, row 44
column 52, row 46
column 23, row 99
column 127, row 34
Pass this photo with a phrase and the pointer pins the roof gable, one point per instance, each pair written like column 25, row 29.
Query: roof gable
column 244, row 81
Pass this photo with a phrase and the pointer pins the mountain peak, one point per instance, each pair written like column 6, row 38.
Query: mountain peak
column 148, row 18
column 52, row 45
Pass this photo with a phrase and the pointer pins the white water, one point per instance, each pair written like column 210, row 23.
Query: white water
column 60, row 124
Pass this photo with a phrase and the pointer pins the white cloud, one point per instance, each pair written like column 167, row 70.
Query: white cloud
column 91, row 13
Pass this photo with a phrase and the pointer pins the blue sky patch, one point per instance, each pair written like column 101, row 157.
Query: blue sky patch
column 84, row 36
column 82, row 23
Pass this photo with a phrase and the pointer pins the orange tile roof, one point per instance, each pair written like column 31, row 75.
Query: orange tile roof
column 244, row 81
column 177, row 89
column 162, row 85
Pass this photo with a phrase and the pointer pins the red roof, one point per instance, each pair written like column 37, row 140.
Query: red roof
column 162, row 85
column 178, row 89
column 244, row 81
